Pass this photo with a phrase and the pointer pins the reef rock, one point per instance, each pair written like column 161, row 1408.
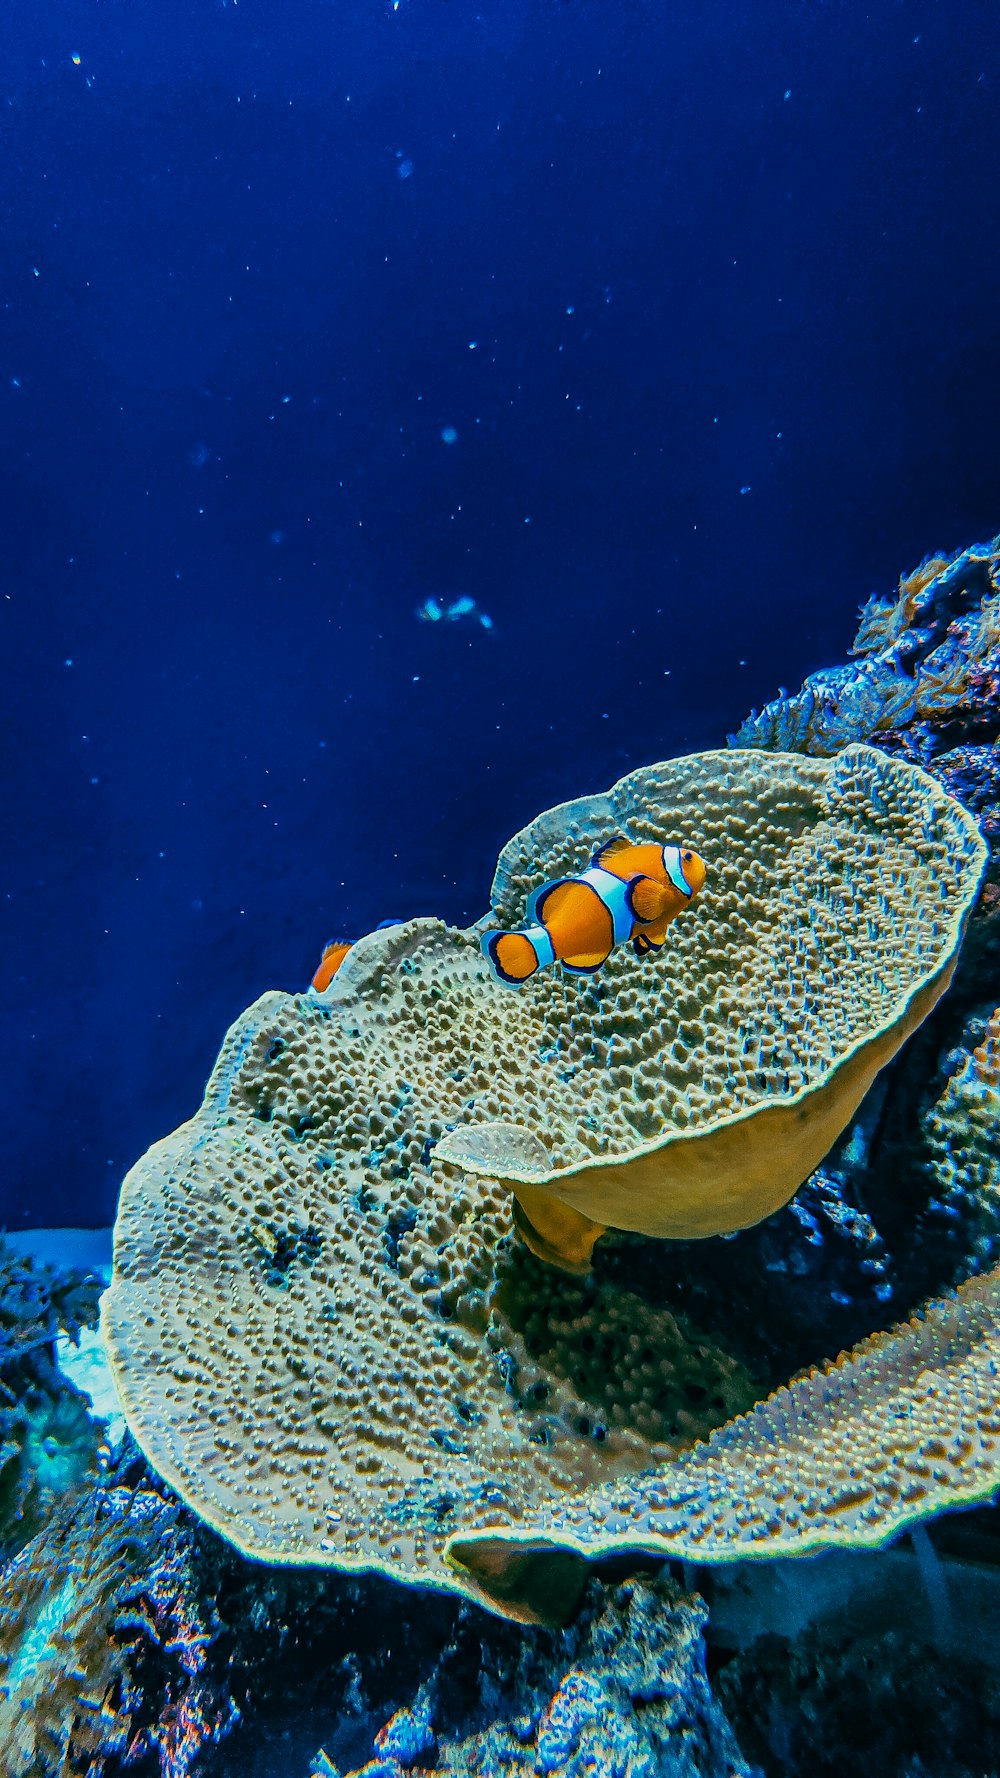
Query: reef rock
column 628, row 1699
column 927, row 662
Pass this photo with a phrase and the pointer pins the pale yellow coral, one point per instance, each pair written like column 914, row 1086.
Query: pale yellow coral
column 338, row 1354
column 836, row 899
column 904, row 1426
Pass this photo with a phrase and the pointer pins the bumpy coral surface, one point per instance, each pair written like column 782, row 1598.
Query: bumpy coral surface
column 894, row 1431
column 929, row 656
column 829, row 925
column 334, row 1351
column 633, row 1699
column 962, row 1137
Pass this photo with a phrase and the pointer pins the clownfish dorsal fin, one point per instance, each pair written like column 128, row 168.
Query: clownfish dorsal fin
column 618, row 844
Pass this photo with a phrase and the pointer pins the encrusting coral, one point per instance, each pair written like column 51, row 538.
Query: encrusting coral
column 104, row 1639
column 59, row 1660
column 334, row 1349
column 962, row 1141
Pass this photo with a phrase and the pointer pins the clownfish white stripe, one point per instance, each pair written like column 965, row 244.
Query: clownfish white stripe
column 629, row 892
column 613, row 892
column 540, row 943
column 675, row 869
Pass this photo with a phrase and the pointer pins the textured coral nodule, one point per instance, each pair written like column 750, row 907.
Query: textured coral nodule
column 903, row 1427
column 336, row 1351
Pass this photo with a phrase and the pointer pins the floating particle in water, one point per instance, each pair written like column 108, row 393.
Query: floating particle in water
column 449, row 435
column 277, row 537
column 75, row 59
column 405, row 169
column 435, row 611
column 198, row 455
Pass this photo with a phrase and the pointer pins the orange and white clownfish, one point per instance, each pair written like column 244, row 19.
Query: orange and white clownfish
column 628, row 892
column 334, row 952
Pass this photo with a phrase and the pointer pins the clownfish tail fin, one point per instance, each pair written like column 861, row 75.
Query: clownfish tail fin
column 514, row 957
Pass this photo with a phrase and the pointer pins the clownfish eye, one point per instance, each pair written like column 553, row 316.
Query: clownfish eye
column 687, row 857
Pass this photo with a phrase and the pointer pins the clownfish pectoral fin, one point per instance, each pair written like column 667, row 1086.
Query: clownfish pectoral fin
column 648, row 900
column 511, row 956
column 641, row 945
column 618, row 844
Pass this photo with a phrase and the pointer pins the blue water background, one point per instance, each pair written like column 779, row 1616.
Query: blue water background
column 665, row 332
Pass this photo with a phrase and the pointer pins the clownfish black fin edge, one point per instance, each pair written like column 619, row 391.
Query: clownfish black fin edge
column 490, row 944
column 536, row 901
column 585, row 968
column 619, row 843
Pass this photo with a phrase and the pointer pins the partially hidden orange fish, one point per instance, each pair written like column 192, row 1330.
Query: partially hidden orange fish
column 628, row 892
column 334, row 952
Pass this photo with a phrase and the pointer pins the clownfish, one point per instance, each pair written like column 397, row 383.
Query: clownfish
column 334, row 952
column 628, row 892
